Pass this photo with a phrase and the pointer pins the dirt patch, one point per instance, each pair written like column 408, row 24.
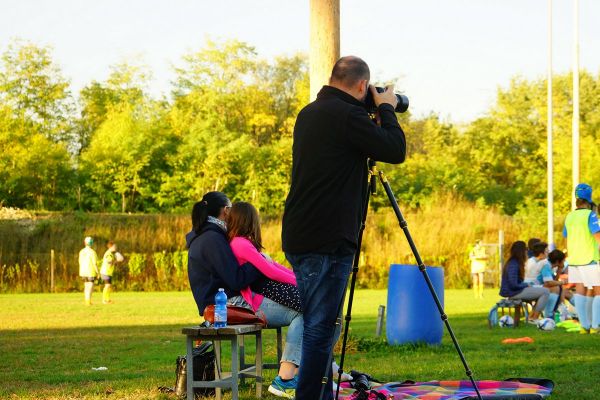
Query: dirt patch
column 14, row 213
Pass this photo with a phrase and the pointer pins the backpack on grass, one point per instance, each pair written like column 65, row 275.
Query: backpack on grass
column 203, row 357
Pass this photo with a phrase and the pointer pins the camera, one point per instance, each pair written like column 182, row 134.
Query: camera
column 401, row 107
column 361, row 381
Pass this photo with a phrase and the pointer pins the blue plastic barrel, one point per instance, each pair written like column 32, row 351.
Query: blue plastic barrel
column 412, row 315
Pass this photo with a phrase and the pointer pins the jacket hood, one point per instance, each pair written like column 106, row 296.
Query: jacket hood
column 206, row 227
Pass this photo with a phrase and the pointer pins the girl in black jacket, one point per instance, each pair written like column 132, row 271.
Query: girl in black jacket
column 212, row 265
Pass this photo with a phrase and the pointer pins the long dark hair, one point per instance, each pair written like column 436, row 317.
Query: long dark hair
column 211, row 204
column 518, row 252
column 243, row 220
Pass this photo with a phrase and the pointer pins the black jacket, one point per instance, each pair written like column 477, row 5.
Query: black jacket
column 333, row 137
column 212, row 265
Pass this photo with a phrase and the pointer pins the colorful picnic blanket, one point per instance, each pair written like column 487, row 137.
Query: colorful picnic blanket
column 452, row 390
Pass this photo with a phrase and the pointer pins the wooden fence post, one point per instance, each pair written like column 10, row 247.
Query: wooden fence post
column 380, row 317
column 52, row 271
column 500, row 255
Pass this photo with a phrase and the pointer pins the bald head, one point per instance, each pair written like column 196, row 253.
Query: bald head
column 348, row 71
column 351, row 74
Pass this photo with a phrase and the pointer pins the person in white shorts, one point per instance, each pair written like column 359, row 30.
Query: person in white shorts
column 582, row 231
column 478, row 257
column 88, row 268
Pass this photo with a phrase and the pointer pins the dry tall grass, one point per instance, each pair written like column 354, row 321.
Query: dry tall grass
column 443, row 230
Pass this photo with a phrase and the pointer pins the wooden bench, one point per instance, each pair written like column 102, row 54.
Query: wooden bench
column 232, row 333
column 514, row 308
column 244, row 365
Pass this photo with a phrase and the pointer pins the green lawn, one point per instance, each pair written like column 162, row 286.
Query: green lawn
column 49, row 344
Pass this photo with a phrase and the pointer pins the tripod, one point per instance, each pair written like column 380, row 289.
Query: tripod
column 373, row 175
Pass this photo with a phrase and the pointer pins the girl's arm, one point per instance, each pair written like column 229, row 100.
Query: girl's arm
column 283, row 269
column 223, row 263
column 245, row 251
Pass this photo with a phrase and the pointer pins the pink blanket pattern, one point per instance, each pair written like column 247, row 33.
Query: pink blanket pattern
column 451, row 390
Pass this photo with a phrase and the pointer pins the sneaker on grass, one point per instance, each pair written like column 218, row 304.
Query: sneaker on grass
column 535, row 322
column 286, row 389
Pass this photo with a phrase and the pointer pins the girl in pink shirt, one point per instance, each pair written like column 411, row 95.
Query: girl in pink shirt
column 275, row 296
column 279, row 283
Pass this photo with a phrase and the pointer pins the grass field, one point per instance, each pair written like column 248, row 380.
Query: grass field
column 49, row 344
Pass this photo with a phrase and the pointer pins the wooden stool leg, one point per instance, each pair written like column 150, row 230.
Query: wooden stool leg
column 218, row 369
column 279, row 345
column 235, row 364
column 242, row 357
column 189, row 365
column 259, row 364
column 517, row 317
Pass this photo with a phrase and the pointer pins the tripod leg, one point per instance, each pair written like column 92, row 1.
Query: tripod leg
column 413, row 247
column 348, row 317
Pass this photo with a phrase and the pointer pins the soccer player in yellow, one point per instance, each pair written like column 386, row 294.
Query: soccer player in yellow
column 88, row 268
column 110, row 259
column 582, row 231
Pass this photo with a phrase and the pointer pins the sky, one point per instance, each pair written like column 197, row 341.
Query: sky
column 449, row 56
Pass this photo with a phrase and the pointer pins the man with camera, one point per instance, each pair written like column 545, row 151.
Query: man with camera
column 333, row 138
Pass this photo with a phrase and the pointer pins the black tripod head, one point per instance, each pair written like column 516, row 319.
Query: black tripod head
column 372, row 165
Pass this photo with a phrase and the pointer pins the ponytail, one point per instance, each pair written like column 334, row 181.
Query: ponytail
column 210, row 205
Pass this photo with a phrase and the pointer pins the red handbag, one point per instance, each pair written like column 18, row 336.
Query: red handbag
column 235, row 315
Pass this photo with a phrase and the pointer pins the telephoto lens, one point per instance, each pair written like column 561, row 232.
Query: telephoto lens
column 401, row 107
column 360, row 381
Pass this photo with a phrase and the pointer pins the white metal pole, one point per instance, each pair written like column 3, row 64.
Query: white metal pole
column 550, row 155
column 575, row 99
column 500, row 255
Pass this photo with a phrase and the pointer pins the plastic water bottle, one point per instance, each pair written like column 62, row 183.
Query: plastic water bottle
column 556, row 316
column 564, row 312
column 220, row 309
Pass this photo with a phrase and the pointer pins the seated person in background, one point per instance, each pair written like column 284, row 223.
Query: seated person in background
column 530, row 244
column 546, row 279
column 556, row 259
column 514, row 287
column 534, row 264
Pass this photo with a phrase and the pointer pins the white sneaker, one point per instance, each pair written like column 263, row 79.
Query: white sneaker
column 335, row 369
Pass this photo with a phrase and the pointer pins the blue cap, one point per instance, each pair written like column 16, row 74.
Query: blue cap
column 584, row 191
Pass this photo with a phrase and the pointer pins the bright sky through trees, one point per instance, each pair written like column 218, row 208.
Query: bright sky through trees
column 450, row 55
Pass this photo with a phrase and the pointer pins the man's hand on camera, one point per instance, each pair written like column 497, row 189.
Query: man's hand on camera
column 388, row 96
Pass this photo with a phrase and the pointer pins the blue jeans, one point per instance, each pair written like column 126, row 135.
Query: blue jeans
column 322, row 281
column 278, row 315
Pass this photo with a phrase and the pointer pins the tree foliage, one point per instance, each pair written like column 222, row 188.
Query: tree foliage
column 228, row 124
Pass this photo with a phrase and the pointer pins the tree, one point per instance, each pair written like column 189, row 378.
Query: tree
column 126, row 84
column 34, row 171
column 233, row 115
column 32, row 85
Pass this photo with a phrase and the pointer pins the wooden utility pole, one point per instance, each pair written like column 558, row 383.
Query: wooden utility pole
column 324, row 42
column 52, row 266
column 575, row 127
